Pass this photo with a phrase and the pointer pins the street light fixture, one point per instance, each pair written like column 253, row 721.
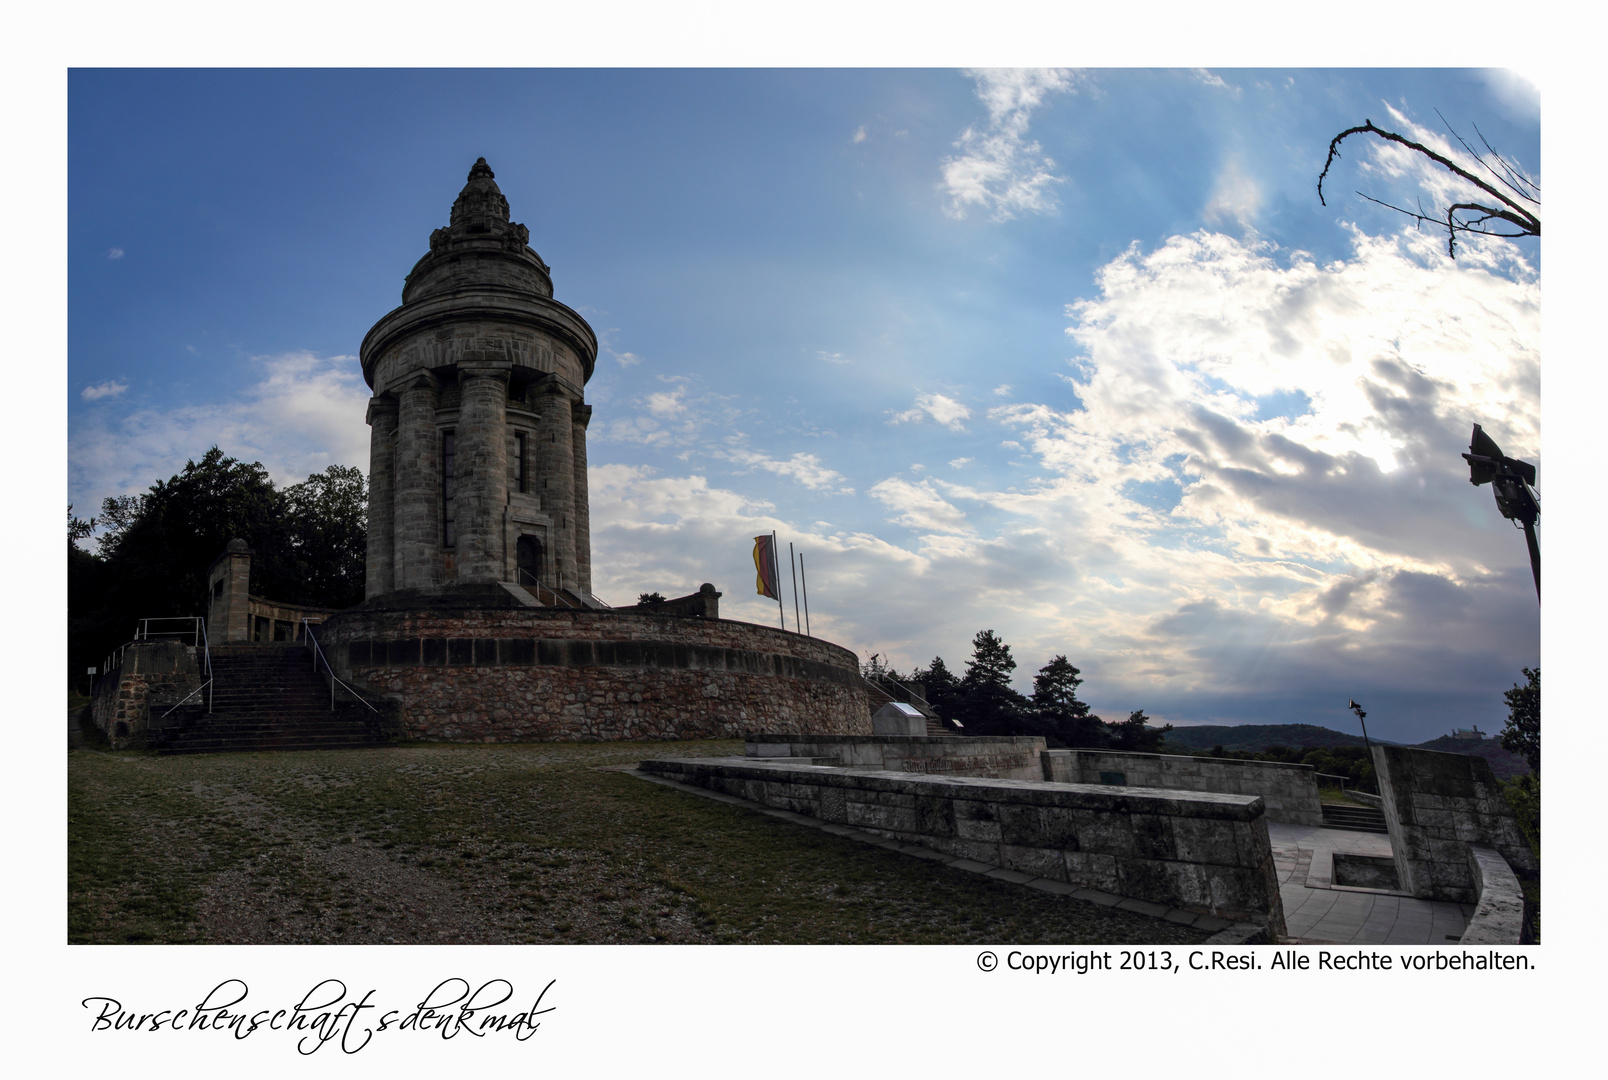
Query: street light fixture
column 1513, row 483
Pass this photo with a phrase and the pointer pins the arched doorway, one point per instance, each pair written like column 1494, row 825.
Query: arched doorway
column 528, row 561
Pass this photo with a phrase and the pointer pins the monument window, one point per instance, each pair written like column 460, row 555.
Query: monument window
column 448, row 515
column 520, row 483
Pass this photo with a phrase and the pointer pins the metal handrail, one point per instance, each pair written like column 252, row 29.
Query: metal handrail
column 206, row 652
column 557, row 600
column 910, row 694
column 318, row 654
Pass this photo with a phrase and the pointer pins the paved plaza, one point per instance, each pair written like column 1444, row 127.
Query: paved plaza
column 1320, row 912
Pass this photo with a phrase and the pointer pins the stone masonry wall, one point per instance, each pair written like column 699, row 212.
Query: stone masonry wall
column 1436, row 805
column 151, row 672
column 1198, row 851
column 1003, row 757
column 551, row 674
column 1290, row 792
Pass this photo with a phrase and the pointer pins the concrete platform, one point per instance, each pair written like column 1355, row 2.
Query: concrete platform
column 1320, row 912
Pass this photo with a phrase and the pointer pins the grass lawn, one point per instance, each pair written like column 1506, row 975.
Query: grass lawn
column 502, row 844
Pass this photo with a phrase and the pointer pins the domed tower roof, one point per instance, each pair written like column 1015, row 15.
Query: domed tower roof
column 480, row 248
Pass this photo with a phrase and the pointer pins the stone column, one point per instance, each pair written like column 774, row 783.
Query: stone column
column 417, row 495
column 555, row 474
column 379, row 562
column 482, row 470
column 580, row 416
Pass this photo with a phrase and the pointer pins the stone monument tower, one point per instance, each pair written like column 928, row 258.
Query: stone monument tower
column 477, row 473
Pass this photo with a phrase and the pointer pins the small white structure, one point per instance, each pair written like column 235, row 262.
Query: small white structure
column 898, row 718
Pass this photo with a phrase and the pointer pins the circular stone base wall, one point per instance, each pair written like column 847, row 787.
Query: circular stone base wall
column 548, row 674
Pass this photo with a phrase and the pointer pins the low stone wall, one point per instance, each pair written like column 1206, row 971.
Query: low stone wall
column 533, row 674
column 1498, row 917
column 150, row 673
column 1198, row 851
column 1003, row 757
column 1289, row 792
column 1436, row 805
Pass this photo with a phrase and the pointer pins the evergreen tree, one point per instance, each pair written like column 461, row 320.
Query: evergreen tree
column 988, row 704
column 1066, row 720
column 1135, row 734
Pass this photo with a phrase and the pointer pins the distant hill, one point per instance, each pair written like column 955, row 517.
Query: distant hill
column 1258, row 737
column 1504, row 764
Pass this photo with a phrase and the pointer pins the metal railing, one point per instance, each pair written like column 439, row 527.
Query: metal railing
column 196, row 632
column 545, row 595
column 334, row 681
column 889, row 686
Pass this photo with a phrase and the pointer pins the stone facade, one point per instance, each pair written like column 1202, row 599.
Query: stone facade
column 1436, row 805
column 1197, row 851
column 149, row 677
column 477, row 467
column 235, row 615
column 1290, row 792
column 489, row 674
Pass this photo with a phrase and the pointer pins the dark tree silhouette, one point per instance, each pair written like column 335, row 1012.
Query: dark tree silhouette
column 1512, row 214
column 1522, row 733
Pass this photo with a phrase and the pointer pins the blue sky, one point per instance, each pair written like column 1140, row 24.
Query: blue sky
column 1075, row 356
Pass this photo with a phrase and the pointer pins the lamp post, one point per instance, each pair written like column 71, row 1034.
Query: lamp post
column 1354, row 707
column 1513, row 483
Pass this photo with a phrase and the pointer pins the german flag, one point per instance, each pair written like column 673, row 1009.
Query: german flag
column 766, row 580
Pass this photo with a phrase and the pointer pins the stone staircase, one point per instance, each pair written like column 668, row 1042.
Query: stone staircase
column 1354, row 818
column 266, row 696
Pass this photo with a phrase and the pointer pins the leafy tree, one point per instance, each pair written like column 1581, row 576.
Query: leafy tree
column 1135, row 734
column 650, row 598
column 1522, row 733
column 155, row 548
column 325, row 531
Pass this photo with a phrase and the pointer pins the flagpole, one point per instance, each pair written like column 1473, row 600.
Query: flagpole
column 776, row 576
column 806, row 594
column 794, row 567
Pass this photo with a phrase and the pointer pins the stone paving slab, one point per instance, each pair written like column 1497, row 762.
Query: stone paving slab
column 1317, row 911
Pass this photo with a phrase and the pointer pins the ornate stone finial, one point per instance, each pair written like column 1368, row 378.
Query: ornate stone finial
column 480, row 204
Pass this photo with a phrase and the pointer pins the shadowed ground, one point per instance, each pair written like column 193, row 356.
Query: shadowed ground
column 501, row 844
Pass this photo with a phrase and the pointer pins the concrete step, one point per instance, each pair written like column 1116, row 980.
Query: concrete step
column 1354, row 818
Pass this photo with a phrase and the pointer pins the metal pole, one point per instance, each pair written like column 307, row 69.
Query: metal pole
column 776, row 576
column 806, row 582
column 794, row 566
column 1535, row 555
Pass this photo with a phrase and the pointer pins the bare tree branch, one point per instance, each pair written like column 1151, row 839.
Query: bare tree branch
column 1467, row 217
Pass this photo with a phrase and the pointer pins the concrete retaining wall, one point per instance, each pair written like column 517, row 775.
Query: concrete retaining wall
column 1498, row 918
column 516, row 674
column 1198, row 851
column 1289, row 792
column 1004, row 757
column 1436, row 805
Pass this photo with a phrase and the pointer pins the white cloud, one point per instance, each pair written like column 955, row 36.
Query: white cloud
column 1215, row 81
column 832, row 357
column 956, row 463
column 303, row 414
column 115, row 253
column 1235, row 196
column 998, row 168
column 803, row 468
column 100, row 391
column 627, row 359
column 946, row 410
column 667, row 404
column 1002, row 389
column 859, row 135
column 919, row 506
